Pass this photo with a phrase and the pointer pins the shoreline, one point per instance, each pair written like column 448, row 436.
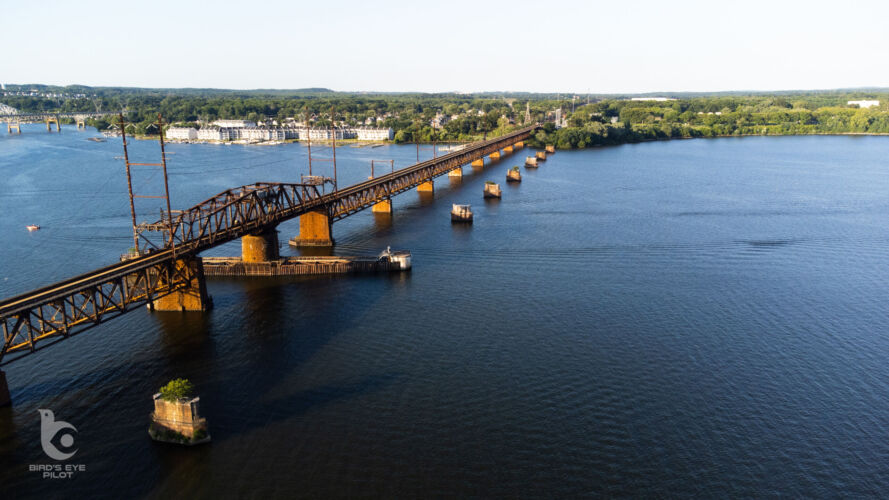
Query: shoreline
column 372, row 144
column 725, row 136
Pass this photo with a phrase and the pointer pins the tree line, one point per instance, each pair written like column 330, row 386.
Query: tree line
column 590, row 121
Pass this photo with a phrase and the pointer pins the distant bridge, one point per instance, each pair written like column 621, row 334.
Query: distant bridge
column 170, row 277
column 14, row 118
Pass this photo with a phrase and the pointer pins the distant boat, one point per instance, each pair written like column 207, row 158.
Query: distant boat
column 33, row 227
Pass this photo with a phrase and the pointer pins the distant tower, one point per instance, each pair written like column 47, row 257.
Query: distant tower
column 527, row 112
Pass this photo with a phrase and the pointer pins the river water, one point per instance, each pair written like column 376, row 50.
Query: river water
column 689, row 318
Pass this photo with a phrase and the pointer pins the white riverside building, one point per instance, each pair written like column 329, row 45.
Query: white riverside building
column 262, row 133
column 360, row 133
column 181, row 134
column 278, row 134
column 864, row 104
column 234, row 123
column 374, row 134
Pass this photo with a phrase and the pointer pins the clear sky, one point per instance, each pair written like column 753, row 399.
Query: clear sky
column 542, row 46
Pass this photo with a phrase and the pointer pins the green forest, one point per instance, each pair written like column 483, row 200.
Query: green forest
column 591, row 120
column 610, row 121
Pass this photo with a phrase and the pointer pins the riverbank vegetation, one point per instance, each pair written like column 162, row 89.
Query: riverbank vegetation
column 584, row 121
column 610, row 122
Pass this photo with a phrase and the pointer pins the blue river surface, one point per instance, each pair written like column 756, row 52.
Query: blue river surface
column 700, row 318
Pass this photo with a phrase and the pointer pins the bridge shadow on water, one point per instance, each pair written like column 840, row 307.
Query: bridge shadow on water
column 274, row 326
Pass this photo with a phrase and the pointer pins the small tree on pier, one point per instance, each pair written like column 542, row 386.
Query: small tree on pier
column 176, row 389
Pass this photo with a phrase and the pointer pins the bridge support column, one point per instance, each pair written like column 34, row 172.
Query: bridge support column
column 5, row 400
column 191, row 298
column 426, row 187
column 10, row 126
column 457, row 172
column 507, row 149
column 495, row 155
column 314, row 230
column 383, row 207
column 261, row 247
column 478, row 163
column 519, row 145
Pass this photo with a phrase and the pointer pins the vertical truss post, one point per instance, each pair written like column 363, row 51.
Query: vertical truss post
column 336, row 184
column 160, row 128
column 126, row 159
column 309, row 137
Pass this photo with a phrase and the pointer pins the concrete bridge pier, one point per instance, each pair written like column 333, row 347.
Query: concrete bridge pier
column 457, row 172
column 519, row 145
column 426, row 187
column 507, row 150
column 382, row 207
column 495, row 155
column 13, row 125
column 53, row 119
column 5, row 400
column 193, row 296
column 260, row 247
column 81, row 123
column 314, row 230
column 478, row 163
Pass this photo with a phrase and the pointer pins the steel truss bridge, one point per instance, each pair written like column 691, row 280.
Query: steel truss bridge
column 40, row 116
column 42, row 317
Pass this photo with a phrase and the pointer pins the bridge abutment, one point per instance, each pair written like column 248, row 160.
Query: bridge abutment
column 261, row 247
column 5, row 400
column 314, row 230
column 192, row 297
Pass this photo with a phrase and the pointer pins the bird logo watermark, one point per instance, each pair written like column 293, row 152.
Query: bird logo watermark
column 57, row 441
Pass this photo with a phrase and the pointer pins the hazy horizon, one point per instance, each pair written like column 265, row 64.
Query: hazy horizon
column 578, row 47
column 863, row 88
